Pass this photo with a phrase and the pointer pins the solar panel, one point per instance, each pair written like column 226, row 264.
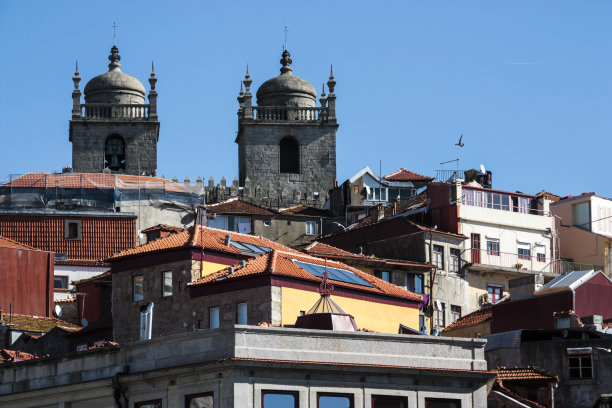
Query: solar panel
column 341, row 275
column 249, row 249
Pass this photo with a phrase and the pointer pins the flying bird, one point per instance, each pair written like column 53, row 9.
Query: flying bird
column 460, row 144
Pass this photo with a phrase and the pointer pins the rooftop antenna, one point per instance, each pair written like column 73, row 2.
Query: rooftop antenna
column 114, row 33
column 286, row 30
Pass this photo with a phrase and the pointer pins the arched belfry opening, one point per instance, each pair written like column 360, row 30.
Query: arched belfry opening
column 114, row 153
column 289, row 155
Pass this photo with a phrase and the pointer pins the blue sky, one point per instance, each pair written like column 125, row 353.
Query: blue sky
column 526, row 82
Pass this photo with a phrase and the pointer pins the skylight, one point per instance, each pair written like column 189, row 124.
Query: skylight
column 336, row 274
column 249, row 249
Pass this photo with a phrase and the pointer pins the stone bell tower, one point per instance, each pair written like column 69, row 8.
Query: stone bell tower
column 114, row 130
column 286, row 144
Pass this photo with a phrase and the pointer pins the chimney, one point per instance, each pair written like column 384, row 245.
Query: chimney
column 228, row 240
column 524, row 288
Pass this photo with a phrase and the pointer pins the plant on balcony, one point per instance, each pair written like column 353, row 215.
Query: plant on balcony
column 518, row 266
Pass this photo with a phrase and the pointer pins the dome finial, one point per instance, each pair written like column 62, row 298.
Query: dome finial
column 241, row 91
column 114, row 58
column 76, row 70
column 331, row 84
column 152, row 69
column 286, row 62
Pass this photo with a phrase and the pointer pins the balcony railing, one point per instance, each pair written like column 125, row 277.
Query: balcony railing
column 519, row 262
column 284, row 113
column 114, row 111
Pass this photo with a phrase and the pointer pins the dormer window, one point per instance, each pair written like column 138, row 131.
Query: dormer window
column 72, row 230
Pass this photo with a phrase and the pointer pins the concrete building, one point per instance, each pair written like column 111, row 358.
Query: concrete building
column 114, row 130
column 258, row 367
column 286, row 144
column 584, row 224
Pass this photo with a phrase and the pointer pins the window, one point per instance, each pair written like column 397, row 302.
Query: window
column 137, row 288
column 399, row 193
column 146, row 321
column 149, row 404
column 204, row 400
column 440, row 314
column 231, row 223
column 455, row 313
column 442, row 403
column 438, row 256
column 422, row 325
column 167, row 283
column 454, row 260
column 311, row 227
column 289, row 155
column 524, row 251
column 580, row 362
column 60, row 282
column 495, row 292
column 213, row 313
column 340, row 275
column 241, row 313
column 388, row 401
column 414, row 283
column 72, row 230
column 541, row 257
column 267, row 223
column 377, row 194
column 475, row 242
column 355, row 188
column 493, row 247
column 279, row 399
column 384, row 275
column 114, row 153
column 331, row 400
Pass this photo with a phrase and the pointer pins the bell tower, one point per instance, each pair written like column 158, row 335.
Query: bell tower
column 286, row 144
column 114, row 130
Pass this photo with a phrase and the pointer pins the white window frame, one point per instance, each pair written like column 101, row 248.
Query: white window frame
column 214, row 317
column 242, row 313
column 165, row 275
column 311, row 228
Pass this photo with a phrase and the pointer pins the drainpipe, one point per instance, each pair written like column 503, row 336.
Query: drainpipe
column 119, row 389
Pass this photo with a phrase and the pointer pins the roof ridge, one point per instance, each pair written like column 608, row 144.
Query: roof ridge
column 18, row 243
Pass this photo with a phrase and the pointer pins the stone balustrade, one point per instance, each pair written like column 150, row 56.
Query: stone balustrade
column 287, row 113
column 101, row 111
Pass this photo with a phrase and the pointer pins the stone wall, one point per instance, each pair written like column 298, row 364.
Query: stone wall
column 88, row 143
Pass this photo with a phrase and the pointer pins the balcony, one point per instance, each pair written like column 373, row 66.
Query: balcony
column 284, row 114
column 487, row 260
column 105, row 111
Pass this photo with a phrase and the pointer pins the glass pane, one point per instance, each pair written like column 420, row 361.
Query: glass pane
column 586, row 372
column 167, row 283
column 334, row 273
column 380, row 401
column 574, row 373
column 138, row 289
column 214, row 317
column 242, row 313
column 327, row 401
column 418, row 283
column 279, row 400
column 585, row 361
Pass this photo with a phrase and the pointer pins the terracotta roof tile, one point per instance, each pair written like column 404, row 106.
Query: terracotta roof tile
column 14, row 356
column 67, row 300
column 280, row 263
column 320, row 249
column 101, row 236
column 607, row 324
column 163, row 227
column 35, row 323
column 406, row 175
column 237, row 205
column 529, row 373
column 200, row 237
column 304, row 211
column 327, row 251
column 481, row 315
column 9, row 243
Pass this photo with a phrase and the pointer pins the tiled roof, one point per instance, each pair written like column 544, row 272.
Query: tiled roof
column 163, row 227
column 105, row 275
column 13, row 355
column 406, row 175
column 35, row 323
column 67, row 300
column 237, row 206
column 200, row 237
column 607, row 324
column 529, row 373
column 101, row 236
column 278, row 262
column 89, row 181
column 9, row 243
column 481, row 315
column 304, row 211
column 320, row 249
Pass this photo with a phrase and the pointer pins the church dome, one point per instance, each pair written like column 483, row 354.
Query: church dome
column 286, row 89
column 114, row 86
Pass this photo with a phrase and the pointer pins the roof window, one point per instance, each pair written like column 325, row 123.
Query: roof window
column 341, row 275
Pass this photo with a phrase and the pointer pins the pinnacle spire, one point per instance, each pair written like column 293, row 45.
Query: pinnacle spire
column 114, row 58
column 152, row 68
column 76, row 70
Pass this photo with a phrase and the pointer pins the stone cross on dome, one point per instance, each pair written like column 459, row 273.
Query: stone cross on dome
column 115, row 26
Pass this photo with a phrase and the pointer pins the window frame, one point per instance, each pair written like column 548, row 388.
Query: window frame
column 492, row 247
column 455, row 264
column 578, row 357
column 441, row 315
column 157, row 403
column 63, row 278
column 495, row 288
column 246, row 313
column 210, row 320
column 67, row 235
column 295, row 394
column 349, row 396
column 190, row 397
column 310, row 226
column 163, row 284
column 134, row 285
column 438, row 256
column 455, row 313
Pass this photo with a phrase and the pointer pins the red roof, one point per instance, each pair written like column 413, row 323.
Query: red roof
column 278, row 262
column 89, row 181
column 200, row 237
column 406, row 175
column 12, row 355
column 101, row 236
column 163, row 227
column 304, row 210
column 237, row 206
column 320, row 249
column 529, row 373
column 484, row 314
column 9, row 243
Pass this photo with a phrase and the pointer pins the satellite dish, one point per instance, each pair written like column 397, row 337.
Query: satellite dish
column 84, row 322
column 57, row 310
column 482, row 169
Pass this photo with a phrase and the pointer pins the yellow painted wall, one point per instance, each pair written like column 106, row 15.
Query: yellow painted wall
column 207, row 269
column 375, row 316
